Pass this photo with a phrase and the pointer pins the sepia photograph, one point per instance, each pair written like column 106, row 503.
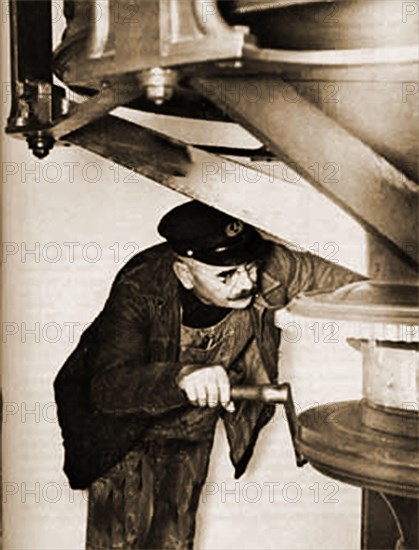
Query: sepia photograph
column 210, row 296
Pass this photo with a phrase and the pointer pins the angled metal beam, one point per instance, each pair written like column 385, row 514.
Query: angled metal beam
column 148, row 153
column 261, row 193
column 250, row 6
column 111, row 95
column 338, row 164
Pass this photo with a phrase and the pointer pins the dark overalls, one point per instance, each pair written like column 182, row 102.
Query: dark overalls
column 149, row 500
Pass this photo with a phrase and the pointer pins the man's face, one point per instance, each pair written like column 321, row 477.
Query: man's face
column 222, row 286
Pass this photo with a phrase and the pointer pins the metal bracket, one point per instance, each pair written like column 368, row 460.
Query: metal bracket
column 36, row 101
column 133, row 36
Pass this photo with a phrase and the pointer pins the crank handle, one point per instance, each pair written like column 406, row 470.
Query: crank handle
column 278, row 394
column 268, row 393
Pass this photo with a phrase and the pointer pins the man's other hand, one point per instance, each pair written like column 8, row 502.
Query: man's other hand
column 207, row 387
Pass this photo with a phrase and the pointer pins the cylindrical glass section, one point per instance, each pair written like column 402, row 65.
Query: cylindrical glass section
column 391, row 374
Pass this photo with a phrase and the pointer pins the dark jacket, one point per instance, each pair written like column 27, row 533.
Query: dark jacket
column 122, row 374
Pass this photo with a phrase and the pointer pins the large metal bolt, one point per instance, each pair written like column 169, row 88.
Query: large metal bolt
column 40, row 144
column 158, row 83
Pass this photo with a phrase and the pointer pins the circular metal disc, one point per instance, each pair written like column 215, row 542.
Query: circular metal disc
column 371, row 309
column 335, row 442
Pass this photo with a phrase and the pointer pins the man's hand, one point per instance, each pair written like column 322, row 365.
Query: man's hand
column 207, row 387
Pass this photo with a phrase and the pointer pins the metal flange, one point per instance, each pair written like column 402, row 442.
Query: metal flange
column 335, row 441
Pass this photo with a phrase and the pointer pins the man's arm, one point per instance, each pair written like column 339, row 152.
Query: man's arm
column 303, row 271
column 126, row 378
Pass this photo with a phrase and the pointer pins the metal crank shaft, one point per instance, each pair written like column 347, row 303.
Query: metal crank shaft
column 278, row 394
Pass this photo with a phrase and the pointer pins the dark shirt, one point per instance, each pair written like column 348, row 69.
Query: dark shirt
column 196, row 314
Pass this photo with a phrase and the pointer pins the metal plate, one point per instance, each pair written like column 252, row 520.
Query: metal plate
column 335, row 442
column 367, row 302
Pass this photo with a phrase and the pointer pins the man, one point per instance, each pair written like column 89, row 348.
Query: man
column 139, row 398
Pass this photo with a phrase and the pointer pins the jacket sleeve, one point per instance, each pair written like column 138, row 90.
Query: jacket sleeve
column 302, row 271
column 124, row 379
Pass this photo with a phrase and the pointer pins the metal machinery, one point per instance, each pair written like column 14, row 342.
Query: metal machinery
column 334, row 80
column 371, row 443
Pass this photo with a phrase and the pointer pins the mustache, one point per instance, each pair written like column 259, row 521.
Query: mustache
column 244, row 294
